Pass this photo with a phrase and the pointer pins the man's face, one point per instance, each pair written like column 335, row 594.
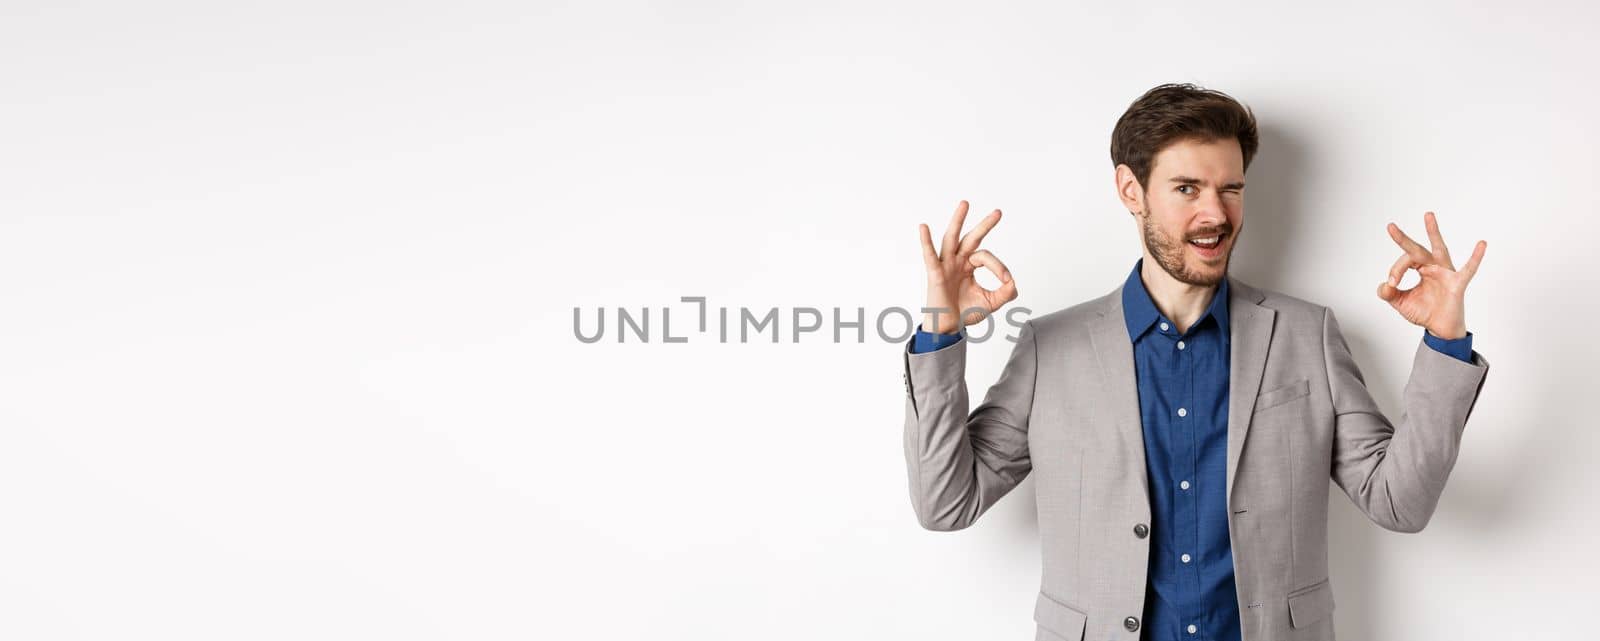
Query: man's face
column 1195, row 193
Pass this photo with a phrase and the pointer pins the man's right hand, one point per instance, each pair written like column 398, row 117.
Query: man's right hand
column 952, row 286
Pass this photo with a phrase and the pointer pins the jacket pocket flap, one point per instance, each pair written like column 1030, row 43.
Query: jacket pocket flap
column 1309, row 606
column 1283, row 394
column 1058, row 617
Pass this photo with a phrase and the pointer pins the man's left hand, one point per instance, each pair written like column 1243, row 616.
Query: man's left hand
column 1437, row 303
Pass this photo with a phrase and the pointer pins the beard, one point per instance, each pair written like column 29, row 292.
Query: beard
column 1172, row 255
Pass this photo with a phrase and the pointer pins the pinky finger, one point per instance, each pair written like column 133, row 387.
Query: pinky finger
column 930, row 259
column 1471, row 268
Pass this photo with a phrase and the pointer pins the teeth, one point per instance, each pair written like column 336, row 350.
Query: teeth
column 1207, row 241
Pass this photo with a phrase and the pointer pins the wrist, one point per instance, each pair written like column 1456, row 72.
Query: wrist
column 940, row 319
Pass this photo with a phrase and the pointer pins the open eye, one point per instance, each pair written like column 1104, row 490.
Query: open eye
column 1181, row 189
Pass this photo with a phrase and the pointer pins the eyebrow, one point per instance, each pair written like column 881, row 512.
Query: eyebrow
column 1196, row 181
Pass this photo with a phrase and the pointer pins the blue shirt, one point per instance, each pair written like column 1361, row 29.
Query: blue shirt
column 1183, row 405
column 1183, row 408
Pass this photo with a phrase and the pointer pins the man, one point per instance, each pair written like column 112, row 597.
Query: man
column 1183, row 427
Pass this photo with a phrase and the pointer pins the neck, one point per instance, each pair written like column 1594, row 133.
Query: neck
column 1180, row 302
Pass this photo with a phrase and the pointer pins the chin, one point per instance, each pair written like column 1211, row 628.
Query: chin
column 1206, row 274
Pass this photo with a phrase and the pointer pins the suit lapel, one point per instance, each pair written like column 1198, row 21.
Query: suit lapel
column 1250, row 332
column 1250, row 329
column 1115, row 353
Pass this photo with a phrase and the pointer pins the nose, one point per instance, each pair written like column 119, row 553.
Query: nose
column 1210, row 212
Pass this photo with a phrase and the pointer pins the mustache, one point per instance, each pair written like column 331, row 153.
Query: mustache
column 1224, row 228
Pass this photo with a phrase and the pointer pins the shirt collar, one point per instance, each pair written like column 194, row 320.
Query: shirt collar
column 1139, row 311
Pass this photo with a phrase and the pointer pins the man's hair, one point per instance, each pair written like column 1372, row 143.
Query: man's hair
column 1172, row 113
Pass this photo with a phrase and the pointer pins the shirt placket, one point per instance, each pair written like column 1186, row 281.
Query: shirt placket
column 1185, row 464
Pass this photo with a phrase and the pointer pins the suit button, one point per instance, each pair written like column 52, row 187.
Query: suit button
column 1131, row 623
column 1141, row 530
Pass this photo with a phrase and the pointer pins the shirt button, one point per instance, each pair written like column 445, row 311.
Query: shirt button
column 1141, row 530
column 1193, row 629
column 1180, row 345
column 1183, row 412
column 1163, row 327
column 1131, row 623
column 1184, row 485
column 1185, row 558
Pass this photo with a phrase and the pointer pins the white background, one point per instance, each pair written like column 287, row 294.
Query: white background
column 286, row 345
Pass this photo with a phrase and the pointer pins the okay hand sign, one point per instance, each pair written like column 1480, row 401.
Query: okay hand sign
column 1437, row 303
column 951, row 271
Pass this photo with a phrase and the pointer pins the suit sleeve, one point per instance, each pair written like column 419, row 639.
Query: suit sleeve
column 1395, row 474
column 959, row 464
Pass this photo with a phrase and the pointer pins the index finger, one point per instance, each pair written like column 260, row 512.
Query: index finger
column 1398, row 270
column 1411, row 247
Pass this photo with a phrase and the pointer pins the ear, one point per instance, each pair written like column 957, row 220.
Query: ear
column 1129, row 190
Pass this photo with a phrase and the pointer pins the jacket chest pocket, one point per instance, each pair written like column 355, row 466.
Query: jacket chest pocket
column 1285, row 394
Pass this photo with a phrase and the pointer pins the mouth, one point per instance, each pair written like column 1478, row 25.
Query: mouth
column 1209, row 247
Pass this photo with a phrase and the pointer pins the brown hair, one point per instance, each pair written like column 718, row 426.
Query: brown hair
column 1171, row 113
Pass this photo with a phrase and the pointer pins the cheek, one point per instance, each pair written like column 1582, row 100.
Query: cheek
column 1159, row 222
column 1167, row 213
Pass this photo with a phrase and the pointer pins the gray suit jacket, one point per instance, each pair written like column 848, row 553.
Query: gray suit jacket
column 1066, row 408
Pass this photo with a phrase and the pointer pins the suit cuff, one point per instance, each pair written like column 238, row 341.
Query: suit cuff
column 1459, row 348
column 924, row 342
